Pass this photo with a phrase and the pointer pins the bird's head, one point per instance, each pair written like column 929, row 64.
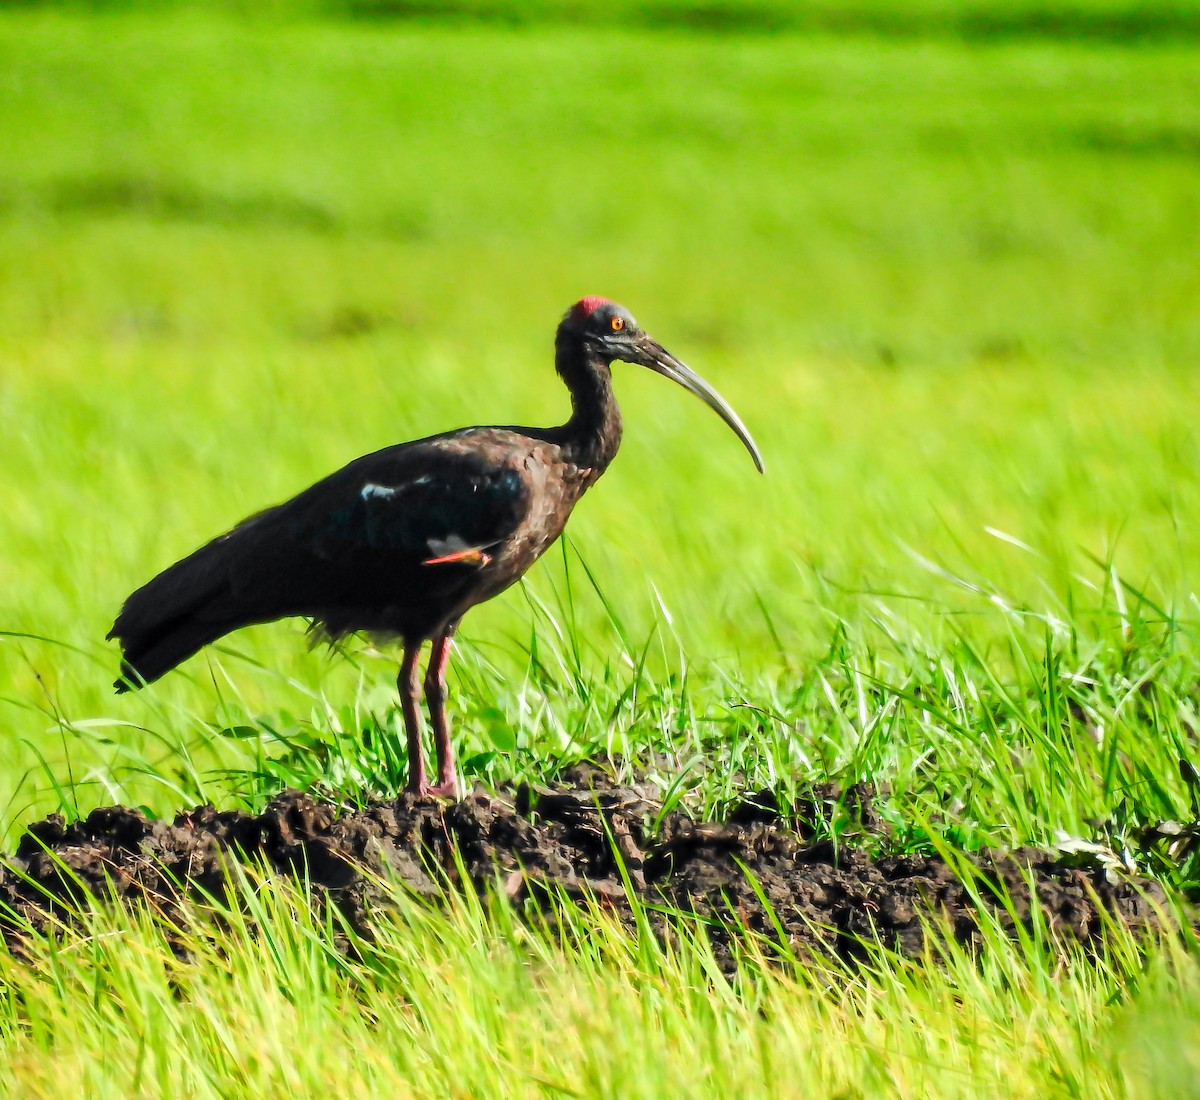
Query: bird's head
column 608, row 331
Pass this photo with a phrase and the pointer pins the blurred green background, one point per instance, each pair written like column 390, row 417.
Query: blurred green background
column 941, row 257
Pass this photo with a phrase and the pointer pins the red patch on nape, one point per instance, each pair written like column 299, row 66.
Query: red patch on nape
column 585, row 307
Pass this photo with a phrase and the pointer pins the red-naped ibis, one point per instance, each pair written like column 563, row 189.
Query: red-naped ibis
column 403, row 542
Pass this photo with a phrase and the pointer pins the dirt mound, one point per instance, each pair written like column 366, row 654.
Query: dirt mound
column 570, row 841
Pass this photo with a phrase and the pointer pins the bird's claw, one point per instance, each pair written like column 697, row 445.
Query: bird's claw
column 445, row 789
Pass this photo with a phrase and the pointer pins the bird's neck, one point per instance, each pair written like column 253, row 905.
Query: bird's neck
column 591, row 437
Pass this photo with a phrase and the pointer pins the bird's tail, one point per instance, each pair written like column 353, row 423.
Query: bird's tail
column 176, row 614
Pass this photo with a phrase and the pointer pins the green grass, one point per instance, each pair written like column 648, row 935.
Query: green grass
column 949, row 284
column 1119, row 20
column 473, row 1003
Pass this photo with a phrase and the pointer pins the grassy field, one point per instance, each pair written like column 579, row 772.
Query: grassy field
column 949, row 282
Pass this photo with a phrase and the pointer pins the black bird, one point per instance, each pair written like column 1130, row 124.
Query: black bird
column 403, row 542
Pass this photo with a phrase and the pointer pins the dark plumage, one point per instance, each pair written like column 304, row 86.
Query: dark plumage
column 403, row 542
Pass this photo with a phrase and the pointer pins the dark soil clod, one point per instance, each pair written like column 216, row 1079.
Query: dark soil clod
column 590, row 840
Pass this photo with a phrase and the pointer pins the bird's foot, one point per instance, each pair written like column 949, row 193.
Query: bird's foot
column 448, row 788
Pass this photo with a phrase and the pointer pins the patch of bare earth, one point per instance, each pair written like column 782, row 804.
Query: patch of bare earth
column 755, row 871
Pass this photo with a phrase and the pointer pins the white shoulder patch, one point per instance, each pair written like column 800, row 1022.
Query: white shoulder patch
column 371, row 491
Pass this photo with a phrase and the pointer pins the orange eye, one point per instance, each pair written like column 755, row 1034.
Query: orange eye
column 617, row 324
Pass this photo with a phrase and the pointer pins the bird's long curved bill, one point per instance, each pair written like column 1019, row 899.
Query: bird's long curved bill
column 661, row 361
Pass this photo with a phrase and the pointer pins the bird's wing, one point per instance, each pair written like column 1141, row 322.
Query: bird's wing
column 414, row 506
column 396, row 537
column 412, row 522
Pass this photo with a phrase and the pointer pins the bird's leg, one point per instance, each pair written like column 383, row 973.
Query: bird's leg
column 435, row 696
column 410, row 705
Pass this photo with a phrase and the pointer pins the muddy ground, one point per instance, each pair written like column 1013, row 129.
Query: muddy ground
column 535, row 844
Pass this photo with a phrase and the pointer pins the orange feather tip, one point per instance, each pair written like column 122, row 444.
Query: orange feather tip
column 471, row 556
